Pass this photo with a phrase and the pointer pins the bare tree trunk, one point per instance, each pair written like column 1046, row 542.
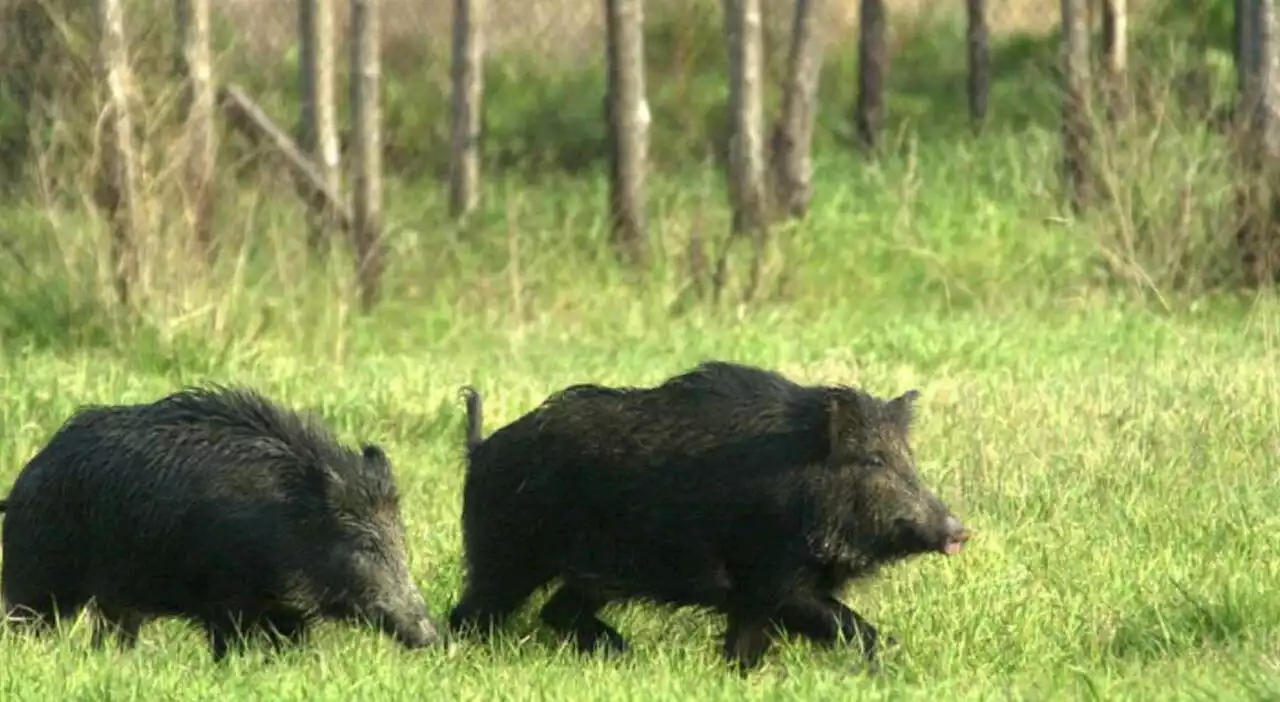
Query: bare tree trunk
column 746, row 150
column 627, row 111
column 117, row 175
column 873, row 71
column 1268, row 58
column 1248, row 59
column 195, row 65
column 793, row 135
column 1077, row 135
column 468, row 95
column 1115, row 54
column 318, row 123
column 1242, row 31
column 979, row 63
column 1265, row 262
column 1259, row 235
column 25, row 30
column 366, row 127
column 1115, row 36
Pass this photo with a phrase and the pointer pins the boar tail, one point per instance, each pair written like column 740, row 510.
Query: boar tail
column 475, row 418
column 4, row 504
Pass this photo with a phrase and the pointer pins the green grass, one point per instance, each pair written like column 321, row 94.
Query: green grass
column 1118, row 467
column 1116, row 458
column 1113, row 440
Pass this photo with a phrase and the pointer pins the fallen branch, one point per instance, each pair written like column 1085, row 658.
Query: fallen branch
column 250, row 120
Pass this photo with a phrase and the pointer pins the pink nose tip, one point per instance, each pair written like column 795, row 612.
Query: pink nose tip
column 957, row 530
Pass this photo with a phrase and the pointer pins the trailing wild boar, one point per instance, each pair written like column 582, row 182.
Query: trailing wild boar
column 213, row 505
column 728, row 487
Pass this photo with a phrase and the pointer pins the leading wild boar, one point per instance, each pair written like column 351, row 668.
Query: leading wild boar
column 727, row 487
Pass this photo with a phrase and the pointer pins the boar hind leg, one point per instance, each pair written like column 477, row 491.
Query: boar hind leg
column 571, row 611
column 283, row 630
column 123, row 624
column 227, row 632
column 746, row 640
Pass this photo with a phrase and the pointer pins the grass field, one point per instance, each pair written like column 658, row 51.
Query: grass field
column 1116, row 456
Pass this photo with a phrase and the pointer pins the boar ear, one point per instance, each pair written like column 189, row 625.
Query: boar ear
column 375, row 459
column 373, row 453
column 843, row 418
column 901, row 409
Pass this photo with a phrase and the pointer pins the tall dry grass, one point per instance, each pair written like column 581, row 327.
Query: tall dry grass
column 569, row 29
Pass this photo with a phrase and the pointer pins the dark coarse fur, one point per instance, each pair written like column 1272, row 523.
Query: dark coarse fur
column 214, row 505
column 728, row 487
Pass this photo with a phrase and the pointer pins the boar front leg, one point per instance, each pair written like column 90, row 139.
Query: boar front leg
column 826, row 621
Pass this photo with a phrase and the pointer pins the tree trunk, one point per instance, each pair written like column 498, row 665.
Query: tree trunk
column 1248, row 59
column 873, row 71
column 318, row 121
column 468, row 96
column 979, row 63
column 1077, row 165
column 627, row 112
column 1265, row 261
column 1268, row 58
column 26, row 54
column 1237, row 32
column 117, row 175
column 793, row 135
column 746, row 150
column 1115, row 54
column 195, row 65
column 1259, row 234
column 366, row 127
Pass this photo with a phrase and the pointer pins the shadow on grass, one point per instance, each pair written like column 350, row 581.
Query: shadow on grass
column 1191, row 621
column 50, row 318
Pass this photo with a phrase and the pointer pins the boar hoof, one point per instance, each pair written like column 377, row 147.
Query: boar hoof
column 606, row 642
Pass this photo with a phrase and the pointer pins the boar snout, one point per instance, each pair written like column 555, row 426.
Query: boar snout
column 413, row 631
column 417, row 634
column 956, row 536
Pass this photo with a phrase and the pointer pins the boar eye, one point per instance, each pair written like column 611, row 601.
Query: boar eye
column 875, row 460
